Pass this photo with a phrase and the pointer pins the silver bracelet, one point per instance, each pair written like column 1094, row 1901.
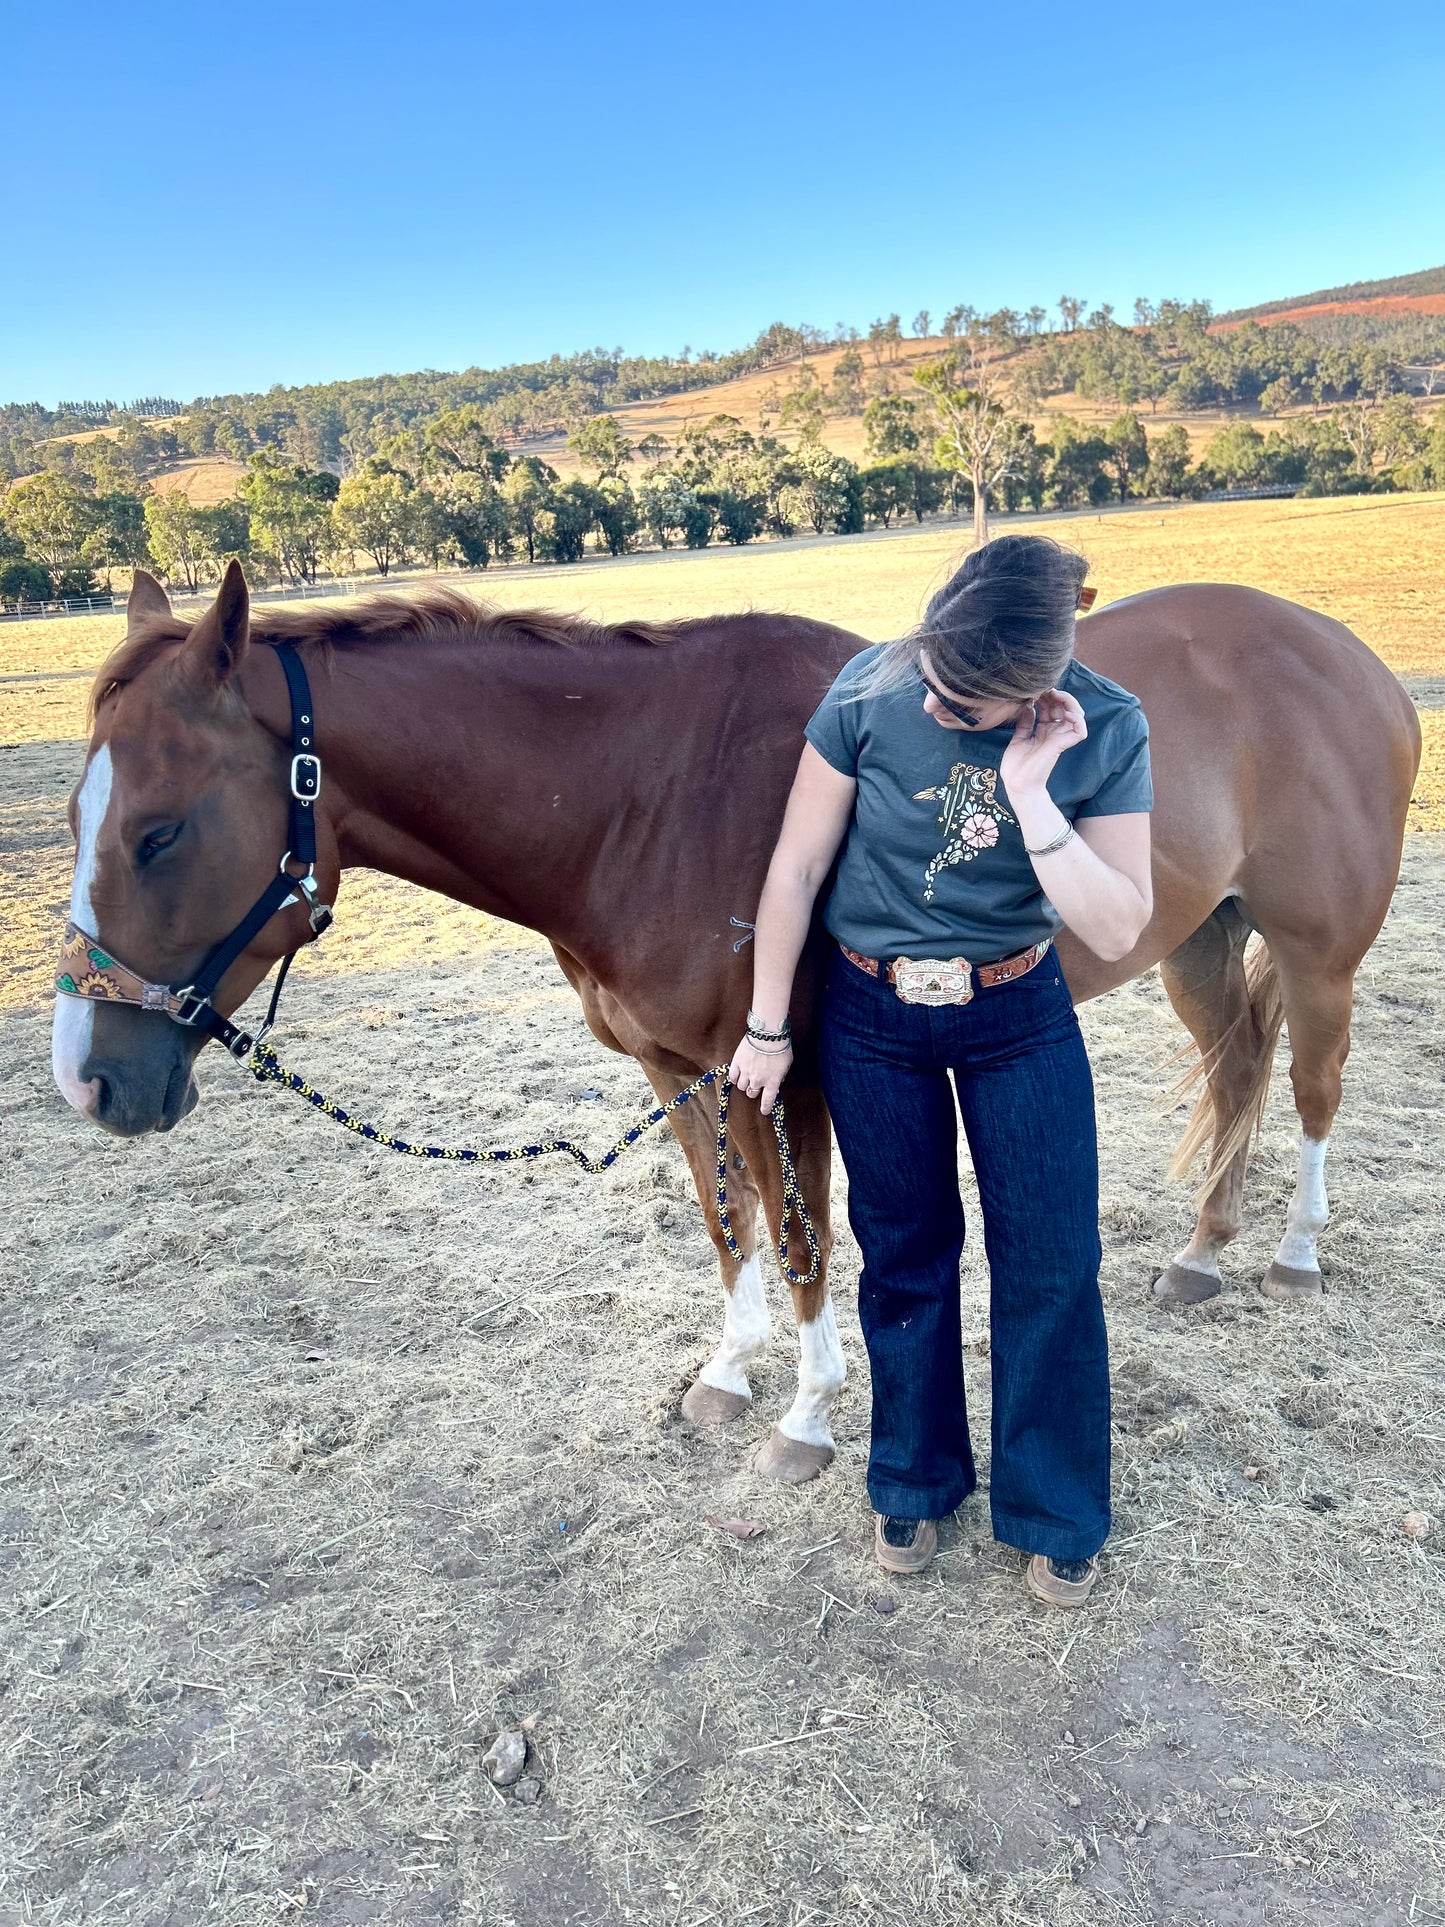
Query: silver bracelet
column 1057, row 844
column 759, row 1031
column 768, row 1050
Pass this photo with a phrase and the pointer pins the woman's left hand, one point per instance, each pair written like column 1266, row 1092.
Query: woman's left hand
column 1043, row 732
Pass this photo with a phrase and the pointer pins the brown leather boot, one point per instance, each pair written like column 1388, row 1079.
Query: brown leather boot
column 914, row 1555
column 1046, row 1584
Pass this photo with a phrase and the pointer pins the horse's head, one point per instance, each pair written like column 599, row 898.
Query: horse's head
column 180, row 822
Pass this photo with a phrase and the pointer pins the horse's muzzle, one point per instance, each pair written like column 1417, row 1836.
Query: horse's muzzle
column 128, row 1106
column 128, row 1070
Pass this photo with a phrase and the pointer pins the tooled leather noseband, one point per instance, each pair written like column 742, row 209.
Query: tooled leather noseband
column 89, row 970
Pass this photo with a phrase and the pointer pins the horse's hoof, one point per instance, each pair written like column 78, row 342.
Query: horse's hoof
column 791, row 1460
column 1182, row 1285
column 1287, row 1284
column 707, row 1407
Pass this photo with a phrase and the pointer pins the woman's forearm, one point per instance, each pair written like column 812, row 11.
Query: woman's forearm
column 784, row 915
column 1101, row 905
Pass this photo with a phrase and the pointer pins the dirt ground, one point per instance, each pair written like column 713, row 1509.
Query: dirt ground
column 318, row 1467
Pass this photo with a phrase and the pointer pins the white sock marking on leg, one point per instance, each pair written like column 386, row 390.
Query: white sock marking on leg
column 74, row 1025
column 821, row 1372
column 746, row 1331
column 1192, row 1261
column 1309, row 1209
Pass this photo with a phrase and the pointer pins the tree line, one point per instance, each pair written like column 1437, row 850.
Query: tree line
column 451, row 495
column 966, row 428
column 1165, row 356
column 338, row 425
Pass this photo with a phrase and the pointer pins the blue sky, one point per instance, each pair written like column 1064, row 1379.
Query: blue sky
column 198, row 200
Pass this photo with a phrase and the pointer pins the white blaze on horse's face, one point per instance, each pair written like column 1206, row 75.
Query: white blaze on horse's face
column 74, row 1027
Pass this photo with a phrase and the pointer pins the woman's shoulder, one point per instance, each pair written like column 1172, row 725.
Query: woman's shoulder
column 856, row 668
column 851, row 689
column 1100, row 698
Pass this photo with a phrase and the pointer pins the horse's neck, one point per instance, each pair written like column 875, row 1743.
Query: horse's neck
column 478, row 771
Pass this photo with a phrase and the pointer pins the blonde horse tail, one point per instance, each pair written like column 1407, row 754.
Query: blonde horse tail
column 1264, row 1017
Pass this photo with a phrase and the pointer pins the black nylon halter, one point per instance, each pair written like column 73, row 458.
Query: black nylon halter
column 194, row 1007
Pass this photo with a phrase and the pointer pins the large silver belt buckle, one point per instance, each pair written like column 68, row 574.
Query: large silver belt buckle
column 927, row 980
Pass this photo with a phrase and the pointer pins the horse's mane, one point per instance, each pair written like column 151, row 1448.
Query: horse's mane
column 438, row 612
column 387, row 619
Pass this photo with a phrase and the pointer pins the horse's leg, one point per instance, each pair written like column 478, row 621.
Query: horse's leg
column 1234, row 1017
column 801, row 1443
column 721, row 1390
column 1318, row 996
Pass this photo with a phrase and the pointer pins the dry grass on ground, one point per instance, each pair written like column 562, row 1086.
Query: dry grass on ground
column 317, row 1467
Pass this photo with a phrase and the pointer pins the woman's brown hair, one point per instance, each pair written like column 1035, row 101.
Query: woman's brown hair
column 999, row 630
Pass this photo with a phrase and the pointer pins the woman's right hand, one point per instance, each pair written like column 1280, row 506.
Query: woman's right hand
column 758, row 1070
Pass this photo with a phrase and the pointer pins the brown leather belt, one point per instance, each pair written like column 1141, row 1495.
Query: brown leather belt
column 948, row 980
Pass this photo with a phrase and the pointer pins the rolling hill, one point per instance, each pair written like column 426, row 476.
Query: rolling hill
column 1413, row 292
column 755, row 397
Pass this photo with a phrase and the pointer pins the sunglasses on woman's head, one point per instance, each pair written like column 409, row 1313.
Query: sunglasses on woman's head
column 970, row 717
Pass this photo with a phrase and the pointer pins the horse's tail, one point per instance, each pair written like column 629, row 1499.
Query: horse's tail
column 1264, row 1018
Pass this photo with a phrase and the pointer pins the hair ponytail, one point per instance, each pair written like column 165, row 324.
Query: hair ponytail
column 999, row 630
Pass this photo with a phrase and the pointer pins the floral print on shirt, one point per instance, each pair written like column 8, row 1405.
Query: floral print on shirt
column 969, row 814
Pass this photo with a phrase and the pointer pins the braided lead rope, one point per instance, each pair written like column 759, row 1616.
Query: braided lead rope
column 266, row 1069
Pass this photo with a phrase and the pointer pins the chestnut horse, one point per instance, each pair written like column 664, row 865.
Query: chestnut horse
column 620, row 790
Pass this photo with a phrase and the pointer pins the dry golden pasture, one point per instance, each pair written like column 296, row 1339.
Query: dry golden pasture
column 318, row 1466
column 753, row 398
column 1374, row 562
column 208, row 479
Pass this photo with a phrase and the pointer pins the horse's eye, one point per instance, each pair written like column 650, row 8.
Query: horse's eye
column 155, row 841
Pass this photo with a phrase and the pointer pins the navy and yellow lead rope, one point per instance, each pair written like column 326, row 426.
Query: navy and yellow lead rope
column 265, row 1068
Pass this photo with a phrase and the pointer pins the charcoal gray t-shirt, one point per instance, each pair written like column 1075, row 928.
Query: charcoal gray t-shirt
column 934, row 864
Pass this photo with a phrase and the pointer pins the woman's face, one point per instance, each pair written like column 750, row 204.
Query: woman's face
column 965, row 712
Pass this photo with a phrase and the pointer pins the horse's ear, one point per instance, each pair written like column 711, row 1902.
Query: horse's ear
column 147, row 598
column 214, row 648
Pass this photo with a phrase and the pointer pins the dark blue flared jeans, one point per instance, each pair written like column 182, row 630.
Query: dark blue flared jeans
column 1026, row 1094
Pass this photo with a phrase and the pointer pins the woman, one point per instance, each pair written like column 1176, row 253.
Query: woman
column 985, row 789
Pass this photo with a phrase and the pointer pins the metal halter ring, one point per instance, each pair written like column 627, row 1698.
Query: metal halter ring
column 310, row 890
column 183, row 997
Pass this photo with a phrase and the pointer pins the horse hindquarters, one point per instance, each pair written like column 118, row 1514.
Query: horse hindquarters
column 1235, row 1010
